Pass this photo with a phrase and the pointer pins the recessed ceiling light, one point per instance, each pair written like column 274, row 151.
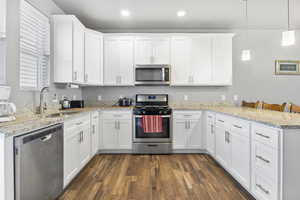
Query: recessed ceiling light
column 181, row 13
column 125, row 13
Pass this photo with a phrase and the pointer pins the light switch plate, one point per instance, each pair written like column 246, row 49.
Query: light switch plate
column 236, row 97
column 223, row 97
column 99, row 98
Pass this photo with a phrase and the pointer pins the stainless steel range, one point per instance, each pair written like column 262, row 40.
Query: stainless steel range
column 145, row 140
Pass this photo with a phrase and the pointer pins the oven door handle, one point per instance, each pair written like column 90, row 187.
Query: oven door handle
column 163, row 116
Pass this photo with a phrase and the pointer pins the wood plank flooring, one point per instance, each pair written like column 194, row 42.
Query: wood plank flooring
column 156, row 177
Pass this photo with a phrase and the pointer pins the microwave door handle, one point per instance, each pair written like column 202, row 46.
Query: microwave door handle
column 163, row 74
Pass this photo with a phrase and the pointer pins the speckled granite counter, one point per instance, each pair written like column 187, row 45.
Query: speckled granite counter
column 31, row 122
column 272, row 118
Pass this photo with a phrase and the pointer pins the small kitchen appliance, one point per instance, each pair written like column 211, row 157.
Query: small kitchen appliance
column 152, row 75
column 7, row 109
column 125, row 102
column 159, row 139
column 77, row 104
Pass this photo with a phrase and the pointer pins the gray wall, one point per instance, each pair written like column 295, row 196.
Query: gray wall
column 252, row 80
column 26, row 100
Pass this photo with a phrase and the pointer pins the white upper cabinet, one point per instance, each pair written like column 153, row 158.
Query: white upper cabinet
column 2, row 18
column 118, row 61
column 191, row 60
column 93, row 58
column 68, row 49
column 201, row 59
column 152, row 50
column 222, row 59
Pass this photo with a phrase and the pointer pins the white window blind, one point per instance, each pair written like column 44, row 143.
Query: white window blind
column 34, row 48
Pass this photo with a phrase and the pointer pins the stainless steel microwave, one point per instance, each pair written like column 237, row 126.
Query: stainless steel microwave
column 152, row 75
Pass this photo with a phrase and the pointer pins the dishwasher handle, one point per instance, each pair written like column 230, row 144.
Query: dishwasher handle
column 46, row 138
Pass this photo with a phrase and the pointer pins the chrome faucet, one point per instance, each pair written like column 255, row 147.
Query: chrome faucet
column 43, row 106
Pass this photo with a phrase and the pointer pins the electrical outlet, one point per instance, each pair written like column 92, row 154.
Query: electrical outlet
column 121, row 96
column 74, row 97
column 223, row 97
column 186, row 97
column 236, row 97
column 55, row 100
column 99, row 98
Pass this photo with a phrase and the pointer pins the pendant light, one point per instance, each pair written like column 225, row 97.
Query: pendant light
column 246, row 53
column 288, row 37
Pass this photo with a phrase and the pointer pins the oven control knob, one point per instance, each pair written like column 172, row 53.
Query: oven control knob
column 143, row 112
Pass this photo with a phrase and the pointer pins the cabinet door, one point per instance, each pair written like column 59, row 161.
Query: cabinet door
column 126, row 49
column 210, row 139
column 125, row 134
column 222, row 148
column 110, row 134
column 222, row 59
column 93, row 58
column 161, row 51
column 143, row 51
column 180, row 52
column 195, row 136
column 95, row 135
column 2, row 18
column 78, row 51
column 180, row 134
column 118, row 61
column 201, row 59
column 85, row 147
column 240, row 165
column 71, row 152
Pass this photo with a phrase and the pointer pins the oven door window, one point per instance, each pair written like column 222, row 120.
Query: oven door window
column 149, row 74
column 139, row 131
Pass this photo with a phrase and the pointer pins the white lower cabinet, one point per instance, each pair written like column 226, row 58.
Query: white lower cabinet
column 77, row 146
column 187, row 130
column 117, row 130
column 95, row 133
column 210, row 134
column 223, row 148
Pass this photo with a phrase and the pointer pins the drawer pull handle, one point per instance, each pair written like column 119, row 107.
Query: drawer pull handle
column 210, row 117
column 263, row 159
column 262, row 188
column 187, row 115
column 220, row 120
column 152, row 145
column 262, row 135
column 236, row 126
column 79, row 123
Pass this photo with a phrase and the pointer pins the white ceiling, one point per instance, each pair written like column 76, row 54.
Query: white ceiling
column 203, row 14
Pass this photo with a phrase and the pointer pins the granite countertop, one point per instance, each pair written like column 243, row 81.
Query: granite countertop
column 276, row 119
column 30, row 122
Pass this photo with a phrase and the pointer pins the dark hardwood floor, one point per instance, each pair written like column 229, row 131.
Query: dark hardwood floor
column 157, row 177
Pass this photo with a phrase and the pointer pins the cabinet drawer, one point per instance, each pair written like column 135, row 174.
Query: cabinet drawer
column 264, row 188
column 187, row 115
column 81, row 120
column 94, row 116
column 240, row 126
column 116, row 115
column 210, row 117
column 266, row 135
column 222, row 121
column 265, row 159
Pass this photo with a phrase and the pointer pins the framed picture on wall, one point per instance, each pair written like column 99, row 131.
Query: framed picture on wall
column 287, row 67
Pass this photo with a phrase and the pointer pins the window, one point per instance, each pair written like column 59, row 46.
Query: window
column 34, row 48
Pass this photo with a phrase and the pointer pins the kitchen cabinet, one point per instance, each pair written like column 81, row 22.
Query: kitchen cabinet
column 210, row 133
column 95, row 133
column 117, row 130
column 222, row 59
column 187, row 130
column 68, row 50
column 77, row 146
column 118, row 61
column 201, row 59
column 152, row 51
column 223, row 148
column 93, row 58
column 3, row 18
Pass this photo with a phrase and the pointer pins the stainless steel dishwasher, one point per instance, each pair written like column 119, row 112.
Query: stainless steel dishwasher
column 39, row 164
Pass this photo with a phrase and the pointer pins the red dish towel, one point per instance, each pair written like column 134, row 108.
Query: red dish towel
column 152, row 123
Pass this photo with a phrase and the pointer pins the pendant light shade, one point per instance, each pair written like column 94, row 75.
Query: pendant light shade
column 288, row 37
column 246, row 55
